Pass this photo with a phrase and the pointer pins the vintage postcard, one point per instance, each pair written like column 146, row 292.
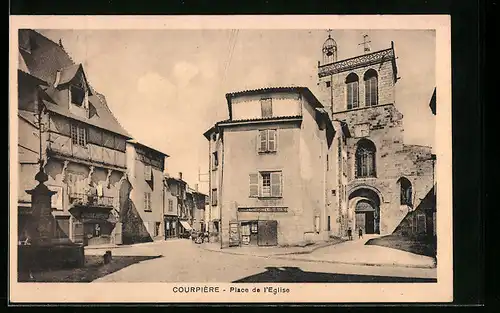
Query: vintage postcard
column 226, row 159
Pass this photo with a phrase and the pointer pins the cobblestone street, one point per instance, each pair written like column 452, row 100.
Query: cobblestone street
column 184, row 261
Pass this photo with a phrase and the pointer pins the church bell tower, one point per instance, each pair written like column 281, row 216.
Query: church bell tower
column 359, row 82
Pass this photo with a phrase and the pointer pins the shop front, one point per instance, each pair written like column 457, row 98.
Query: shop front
column 259, row 233
column 171, row 224
column 92, row 225
column 185, row 229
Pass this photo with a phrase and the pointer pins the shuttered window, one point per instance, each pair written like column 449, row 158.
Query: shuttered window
column 266, row 184
column 148, row 173
column 266, row 108
column 267, row 140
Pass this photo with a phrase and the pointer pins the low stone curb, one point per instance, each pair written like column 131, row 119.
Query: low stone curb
column 282, row 256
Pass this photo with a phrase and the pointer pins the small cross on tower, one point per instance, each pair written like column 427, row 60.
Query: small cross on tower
column 366, row 47
column 329, row 31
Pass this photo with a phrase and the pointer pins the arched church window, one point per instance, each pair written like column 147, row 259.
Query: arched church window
column 405, row 193
column 365, row 159
column 371, row 87
column 352, row 84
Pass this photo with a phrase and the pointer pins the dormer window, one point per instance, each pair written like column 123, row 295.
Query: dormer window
column 77, row 95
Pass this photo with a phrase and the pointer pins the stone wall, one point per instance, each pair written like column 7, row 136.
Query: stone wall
column 393, row 160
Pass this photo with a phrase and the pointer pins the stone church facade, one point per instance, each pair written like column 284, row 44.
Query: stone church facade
column 386, row 178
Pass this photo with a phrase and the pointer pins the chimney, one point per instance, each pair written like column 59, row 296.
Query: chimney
column 180, row 175
column 196, row 187
column 60, row 43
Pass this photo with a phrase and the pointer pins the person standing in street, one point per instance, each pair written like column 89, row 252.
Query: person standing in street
column 349, row 233
column 360, row 233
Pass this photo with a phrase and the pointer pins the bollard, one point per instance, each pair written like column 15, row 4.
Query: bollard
column 107, row 257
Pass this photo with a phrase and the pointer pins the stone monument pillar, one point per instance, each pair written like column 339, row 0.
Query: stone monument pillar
column 41, row 224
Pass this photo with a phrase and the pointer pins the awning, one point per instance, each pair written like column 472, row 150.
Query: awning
column 186, row 225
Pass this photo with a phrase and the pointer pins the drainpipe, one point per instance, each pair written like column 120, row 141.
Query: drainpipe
column 219, row 191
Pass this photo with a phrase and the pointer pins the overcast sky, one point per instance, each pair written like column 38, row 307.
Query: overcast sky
column 167, row 87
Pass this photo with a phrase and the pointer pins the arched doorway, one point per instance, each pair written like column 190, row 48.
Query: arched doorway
column 366, row 204
column 365, row 216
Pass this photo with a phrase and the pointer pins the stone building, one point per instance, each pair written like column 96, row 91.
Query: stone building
column 82, row 144
column 196, row 206
column 171, row 213
column 143, row 217
column 269, row 168
column 179, row 223
column 387, row 178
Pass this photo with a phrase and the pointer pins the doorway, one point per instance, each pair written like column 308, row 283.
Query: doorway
column 267, row 233
column 365, row 217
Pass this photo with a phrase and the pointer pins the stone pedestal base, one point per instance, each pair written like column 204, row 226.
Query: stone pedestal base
column 50, row 257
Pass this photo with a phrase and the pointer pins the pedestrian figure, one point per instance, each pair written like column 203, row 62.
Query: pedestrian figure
column 349, row 233
column 360, row 233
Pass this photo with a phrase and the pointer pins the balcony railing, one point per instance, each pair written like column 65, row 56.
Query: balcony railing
column 91, row 200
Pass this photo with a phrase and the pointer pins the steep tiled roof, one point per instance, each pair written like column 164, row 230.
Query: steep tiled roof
column 43, row 58
column 68, row 73
column 97, row 121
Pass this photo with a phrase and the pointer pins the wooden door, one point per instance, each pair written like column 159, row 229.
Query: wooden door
column 267, row 233
column 369, row 223
column 360, row 222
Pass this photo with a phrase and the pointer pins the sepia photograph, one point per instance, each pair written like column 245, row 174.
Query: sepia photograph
column 228, row 161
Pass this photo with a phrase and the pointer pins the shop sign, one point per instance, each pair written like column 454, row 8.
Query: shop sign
column 95, row 215
column 264, row 209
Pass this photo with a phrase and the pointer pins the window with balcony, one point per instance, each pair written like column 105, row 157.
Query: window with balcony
column 267, row 141
column 78, row 135
column 266, row 184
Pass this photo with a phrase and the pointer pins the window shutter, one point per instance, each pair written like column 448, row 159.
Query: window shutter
column 272, row 139
column 276, row 184
column 262, row 140
column 254, row 185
